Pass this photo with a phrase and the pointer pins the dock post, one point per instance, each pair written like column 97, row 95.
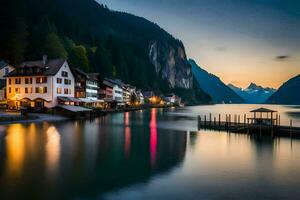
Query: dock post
column 210, row 119
column 279, row 120
column 219, row 120
column 244, row 120
column 199, row 122
column 205, row 121
column 214, row 121
column 291, row 125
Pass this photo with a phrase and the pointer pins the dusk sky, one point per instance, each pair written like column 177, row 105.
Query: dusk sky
column 241, row 41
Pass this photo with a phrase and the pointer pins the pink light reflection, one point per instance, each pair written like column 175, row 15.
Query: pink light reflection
column 153, row 137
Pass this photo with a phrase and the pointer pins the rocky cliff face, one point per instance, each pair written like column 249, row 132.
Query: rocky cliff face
column 171, row 64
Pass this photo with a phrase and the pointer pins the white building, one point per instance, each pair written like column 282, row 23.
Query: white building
column 117, row 93
column 92, row 87
column 39, row 83
column 5, row 69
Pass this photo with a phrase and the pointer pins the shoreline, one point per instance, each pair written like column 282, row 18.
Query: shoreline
column 12, row 117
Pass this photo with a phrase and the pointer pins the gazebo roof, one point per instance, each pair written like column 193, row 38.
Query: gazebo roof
column 263, row 110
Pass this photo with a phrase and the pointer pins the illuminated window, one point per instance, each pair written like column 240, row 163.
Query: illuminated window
column 17, row 80
column 59, row 80
column 58, row 90
column 41, row 80
column 28, row 80
column 17, row 90
column 66, row 81
column 45, row 90
column 66, row 91
column 9, row 90
column 40, row 90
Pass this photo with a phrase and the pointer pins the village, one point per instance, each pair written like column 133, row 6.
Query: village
column 51, row 85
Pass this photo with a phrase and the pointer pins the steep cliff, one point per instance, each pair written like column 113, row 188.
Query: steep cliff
column 171, row 64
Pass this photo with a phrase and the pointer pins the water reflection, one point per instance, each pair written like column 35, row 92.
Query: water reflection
column 52, row 148
column 130, row 156
column 153, row 137
column 85, row 159
column 15, row 150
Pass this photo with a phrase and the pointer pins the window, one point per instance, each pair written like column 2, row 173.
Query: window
column 41, row 90
column 28, row 80
column 41, row 80
column 70, row 82
column 66, row 81
column 58, row 90
column 69, row 91
column 59, row 80
column 9, row 90
column 17, row 90
column 9, row 81
column 66, row 91
column 28, row 90
column 64, row 74
column 18, row 81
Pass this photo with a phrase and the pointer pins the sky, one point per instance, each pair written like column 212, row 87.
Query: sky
column 241, row 41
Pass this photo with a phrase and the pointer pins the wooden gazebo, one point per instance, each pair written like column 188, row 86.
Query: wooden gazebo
column 263, row 116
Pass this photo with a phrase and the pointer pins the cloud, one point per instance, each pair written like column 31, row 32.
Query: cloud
column 282, row 57
column 221, row 49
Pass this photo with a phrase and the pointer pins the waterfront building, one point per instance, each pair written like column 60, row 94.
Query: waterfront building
column 40, row 83
column 172, row 99
column 140, row 97
column 5, row 69
column 86, row 85
column 117, row 91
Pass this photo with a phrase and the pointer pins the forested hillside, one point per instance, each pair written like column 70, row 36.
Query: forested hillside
column 94, row 38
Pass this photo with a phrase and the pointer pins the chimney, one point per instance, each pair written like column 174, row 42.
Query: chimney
column 44, row 59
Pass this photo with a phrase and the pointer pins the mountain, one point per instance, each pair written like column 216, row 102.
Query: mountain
column 288, row 93
column 97, row 39
column 212, row 85
column 253, row 93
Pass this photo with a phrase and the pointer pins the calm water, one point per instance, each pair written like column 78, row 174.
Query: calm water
column 153, row 154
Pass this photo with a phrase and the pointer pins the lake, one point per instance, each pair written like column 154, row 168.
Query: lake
column 149, row 154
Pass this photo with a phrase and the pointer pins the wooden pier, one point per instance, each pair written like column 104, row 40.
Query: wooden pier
column 266, row 125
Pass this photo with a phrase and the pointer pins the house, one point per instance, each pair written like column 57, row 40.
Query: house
column 5, row 69
column 106, row 94
column 117, row 91
column 86, row 85
column 140, row 97
column 40, row 84
column 172, row 99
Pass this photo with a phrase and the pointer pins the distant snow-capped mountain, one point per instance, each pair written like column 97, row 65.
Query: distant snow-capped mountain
column 253, row 93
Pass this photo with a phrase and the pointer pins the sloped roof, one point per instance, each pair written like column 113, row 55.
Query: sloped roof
column 263, row 110
column 51, row 67
column 2, row 64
